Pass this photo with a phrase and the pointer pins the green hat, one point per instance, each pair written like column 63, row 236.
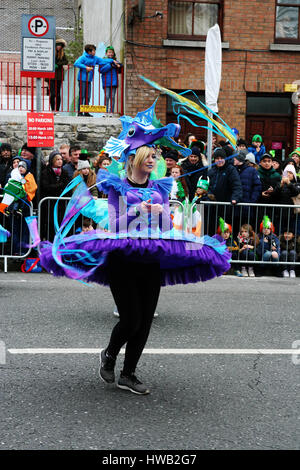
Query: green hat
column 257, row 138
column 297, row 151
column 109, row 48
column 84, row 154
column 204, row 184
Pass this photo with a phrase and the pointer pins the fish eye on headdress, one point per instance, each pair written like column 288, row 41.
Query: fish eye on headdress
column 131, row 132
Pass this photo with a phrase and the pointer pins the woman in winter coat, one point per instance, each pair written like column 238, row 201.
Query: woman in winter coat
column 55, row 84
column 54, row 179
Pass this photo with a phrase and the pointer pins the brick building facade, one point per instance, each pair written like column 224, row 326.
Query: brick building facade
column 257, row 61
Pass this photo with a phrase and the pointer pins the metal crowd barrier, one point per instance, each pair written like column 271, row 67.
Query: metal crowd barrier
column 285, row 218
column 19, row 242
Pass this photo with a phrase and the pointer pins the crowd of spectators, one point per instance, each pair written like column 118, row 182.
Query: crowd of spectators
column 247, row 174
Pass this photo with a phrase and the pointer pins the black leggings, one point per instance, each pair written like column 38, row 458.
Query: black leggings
column 135, row 287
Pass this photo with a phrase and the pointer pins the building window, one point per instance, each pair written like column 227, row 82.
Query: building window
column 287, row 21
column 192, row 20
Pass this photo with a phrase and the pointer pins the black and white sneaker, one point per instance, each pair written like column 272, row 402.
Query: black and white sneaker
column 131, row 383
column 107, row 366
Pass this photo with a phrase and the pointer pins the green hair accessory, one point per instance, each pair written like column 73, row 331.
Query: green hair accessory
column 266, row 222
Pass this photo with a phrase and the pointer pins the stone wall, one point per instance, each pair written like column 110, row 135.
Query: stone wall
column 89, row 133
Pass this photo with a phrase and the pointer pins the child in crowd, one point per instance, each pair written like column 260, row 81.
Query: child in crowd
column 201, row 191
column 225, row 232
column 110, row 79
column 102, row 161
column 21, row 187
column 289, row 247
column 86, row 64
column 257, row 148
column 179, row 189
column 268, row 248
column 248, row 241
column 88, row 175
column 87, row 225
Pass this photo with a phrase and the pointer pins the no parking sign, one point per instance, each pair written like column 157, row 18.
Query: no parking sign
column 38, row 46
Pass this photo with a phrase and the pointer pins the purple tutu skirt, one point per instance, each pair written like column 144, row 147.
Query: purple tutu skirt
column 182, row 261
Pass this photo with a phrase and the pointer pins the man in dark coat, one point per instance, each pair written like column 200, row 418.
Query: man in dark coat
column 226, row 186
column 224, row 180
column 5, row 162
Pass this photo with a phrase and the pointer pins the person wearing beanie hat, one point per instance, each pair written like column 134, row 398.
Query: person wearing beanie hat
column 5, row 162
column 171, row 159
column 23, row 164
column 225, row 183
column 82, row 164
column 276, row 163
column 28, row 153
column 241, row 156
column 195, row 161
column 251, row 185
column 20, row 187
column 250, row 158
column 55, row 84
column 88, row 175
column 110, row 79
column 257, row 147
column 15, row 161
column 295, row 157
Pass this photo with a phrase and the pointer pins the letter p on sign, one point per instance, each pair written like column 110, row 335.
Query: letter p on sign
column 38, row 26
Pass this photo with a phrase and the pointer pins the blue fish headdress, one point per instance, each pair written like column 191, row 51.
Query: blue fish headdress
column 143, row 129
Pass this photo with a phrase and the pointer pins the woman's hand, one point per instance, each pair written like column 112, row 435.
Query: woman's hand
column 156, row 209
column 145, row 207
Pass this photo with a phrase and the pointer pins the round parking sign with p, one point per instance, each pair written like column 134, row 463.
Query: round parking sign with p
column 38, row 26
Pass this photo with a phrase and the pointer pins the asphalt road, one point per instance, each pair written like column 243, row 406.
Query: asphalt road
column 197, row 401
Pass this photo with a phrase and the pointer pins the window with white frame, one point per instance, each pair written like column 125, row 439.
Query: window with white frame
column 287, row 21
column 192, row 20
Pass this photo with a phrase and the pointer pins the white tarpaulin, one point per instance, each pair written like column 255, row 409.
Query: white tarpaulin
column 213, row 70
column 213, row 67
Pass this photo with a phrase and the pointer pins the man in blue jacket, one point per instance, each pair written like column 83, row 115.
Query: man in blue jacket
column 251, row 186
column 86, row 64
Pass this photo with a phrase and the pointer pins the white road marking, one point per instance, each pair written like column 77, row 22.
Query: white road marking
column 155, row 351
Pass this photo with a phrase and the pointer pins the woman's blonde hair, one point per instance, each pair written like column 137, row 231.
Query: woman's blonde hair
column 136, row 161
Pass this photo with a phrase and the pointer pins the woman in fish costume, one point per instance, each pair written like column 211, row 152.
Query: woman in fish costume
column 141, row 251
